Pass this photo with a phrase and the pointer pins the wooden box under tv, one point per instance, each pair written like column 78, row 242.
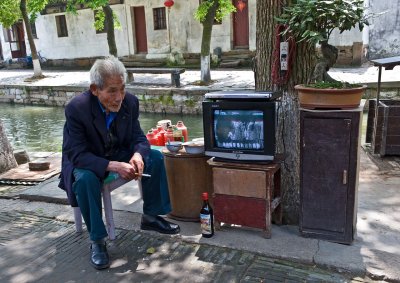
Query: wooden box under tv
column 247, row 194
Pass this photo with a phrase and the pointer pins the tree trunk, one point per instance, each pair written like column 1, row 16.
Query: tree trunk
column 206, row 42
column 37, row 70
column 109, row 24
column 288, row 126
column 7, row 160
column 329, row 56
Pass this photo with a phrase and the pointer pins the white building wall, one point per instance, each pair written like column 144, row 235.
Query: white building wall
column 252, row 24
column 183, row 35
column 82, row 40
column 184, row 30
column 384, row 35
column 5, row 46
column 346, row 38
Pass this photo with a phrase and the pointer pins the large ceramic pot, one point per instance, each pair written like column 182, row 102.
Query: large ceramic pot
column 329, row 98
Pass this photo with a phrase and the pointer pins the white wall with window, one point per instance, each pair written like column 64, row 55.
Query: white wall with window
column 183, row 32
column 79, row 39
column 179, row 31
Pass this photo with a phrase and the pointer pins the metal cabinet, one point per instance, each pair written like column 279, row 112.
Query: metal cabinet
column 329, row 156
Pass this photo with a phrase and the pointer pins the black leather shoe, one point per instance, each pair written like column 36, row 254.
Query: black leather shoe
column 99, row 256
column 159, row 224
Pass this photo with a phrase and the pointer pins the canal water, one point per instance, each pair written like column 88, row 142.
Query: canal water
column 39, row 128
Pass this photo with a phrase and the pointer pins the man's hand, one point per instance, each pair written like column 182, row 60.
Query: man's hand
column 125, row 170
column 137, row 163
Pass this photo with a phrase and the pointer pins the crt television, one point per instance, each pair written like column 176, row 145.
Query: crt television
column 239, row 129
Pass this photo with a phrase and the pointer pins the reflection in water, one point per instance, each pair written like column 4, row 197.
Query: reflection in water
column 39, row 128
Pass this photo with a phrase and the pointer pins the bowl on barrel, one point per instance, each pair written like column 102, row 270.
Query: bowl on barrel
column 194, row 147
column 174, row 146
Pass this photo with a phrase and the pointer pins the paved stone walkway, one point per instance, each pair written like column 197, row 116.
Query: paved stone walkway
column 35, row 248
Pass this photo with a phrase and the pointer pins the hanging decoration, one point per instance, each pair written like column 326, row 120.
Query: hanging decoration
column 168, row 3
column 240, row 5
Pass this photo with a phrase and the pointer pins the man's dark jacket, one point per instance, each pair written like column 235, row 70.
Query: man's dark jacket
column 85, row 136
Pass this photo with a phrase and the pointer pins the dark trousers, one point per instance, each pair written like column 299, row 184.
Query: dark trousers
column 87, row 188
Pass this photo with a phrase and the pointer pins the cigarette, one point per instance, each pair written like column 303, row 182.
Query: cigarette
column 143, row 175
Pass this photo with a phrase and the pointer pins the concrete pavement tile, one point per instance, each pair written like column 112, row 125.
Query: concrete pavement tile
column 382, row 265
column 343, row 257
column 53, row 252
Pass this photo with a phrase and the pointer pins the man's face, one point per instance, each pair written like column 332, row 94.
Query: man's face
column 112, row 94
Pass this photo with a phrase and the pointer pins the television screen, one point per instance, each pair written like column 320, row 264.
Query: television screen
column 239, row 129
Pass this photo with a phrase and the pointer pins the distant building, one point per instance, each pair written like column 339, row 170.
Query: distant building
column 147, row 28
column 152, row 31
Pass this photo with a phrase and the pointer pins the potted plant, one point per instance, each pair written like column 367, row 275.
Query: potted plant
column 314, row 21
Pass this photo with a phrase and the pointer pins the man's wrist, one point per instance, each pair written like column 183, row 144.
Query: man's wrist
column 112, row 166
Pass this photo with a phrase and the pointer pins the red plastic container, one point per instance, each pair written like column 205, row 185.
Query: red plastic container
column 161, row 135
column 169, row 135
column 151, row 137
column 184, row 130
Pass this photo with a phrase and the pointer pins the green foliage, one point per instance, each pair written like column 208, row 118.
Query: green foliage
column 336, row 84
column 314, row 20
column 92, row 4
column 99, row 19
column 225, row 7
column 190, row 103
column 95, row 5
column 34, row 7
column 11, row 13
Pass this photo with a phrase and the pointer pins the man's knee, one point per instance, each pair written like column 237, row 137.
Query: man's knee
column 86, row 178
column 156, row 158
column 156, row 155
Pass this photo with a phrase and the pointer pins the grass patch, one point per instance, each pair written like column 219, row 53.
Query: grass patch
column 34, row 78
column 202, row 83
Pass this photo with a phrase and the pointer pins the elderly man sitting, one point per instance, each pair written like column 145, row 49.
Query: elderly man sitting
column 102, row 134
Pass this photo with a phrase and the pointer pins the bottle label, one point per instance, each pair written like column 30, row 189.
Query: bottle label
column 205, row 220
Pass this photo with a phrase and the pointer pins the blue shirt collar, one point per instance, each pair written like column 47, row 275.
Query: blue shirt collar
column 109, row 117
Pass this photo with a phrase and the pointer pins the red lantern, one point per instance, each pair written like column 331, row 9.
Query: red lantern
column 240, row 5
column 168, row 3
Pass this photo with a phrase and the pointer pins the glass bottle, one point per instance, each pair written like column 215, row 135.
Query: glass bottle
column 206, row 218
column 177, row 134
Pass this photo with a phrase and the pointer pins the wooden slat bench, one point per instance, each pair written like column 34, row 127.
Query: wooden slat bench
column 175, row 73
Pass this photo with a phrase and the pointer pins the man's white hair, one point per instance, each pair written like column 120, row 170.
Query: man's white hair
column 107, row 67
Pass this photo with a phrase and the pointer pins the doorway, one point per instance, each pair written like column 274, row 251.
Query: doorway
column 139, row 28
column 17, row 41
column 241, row 25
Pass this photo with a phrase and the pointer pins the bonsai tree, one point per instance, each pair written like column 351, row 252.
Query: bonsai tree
column 315, row 20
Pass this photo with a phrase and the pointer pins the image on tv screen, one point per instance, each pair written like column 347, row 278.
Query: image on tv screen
column 239, row 129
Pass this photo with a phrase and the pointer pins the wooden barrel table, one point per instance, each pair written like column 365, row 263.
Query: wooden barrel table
column 189, row 176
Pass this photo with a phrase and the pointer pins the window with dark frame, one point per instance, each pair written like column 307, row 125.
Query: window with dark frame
column 159, row 18
column 104, row 30
column 33, row 28
column 61, row 23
